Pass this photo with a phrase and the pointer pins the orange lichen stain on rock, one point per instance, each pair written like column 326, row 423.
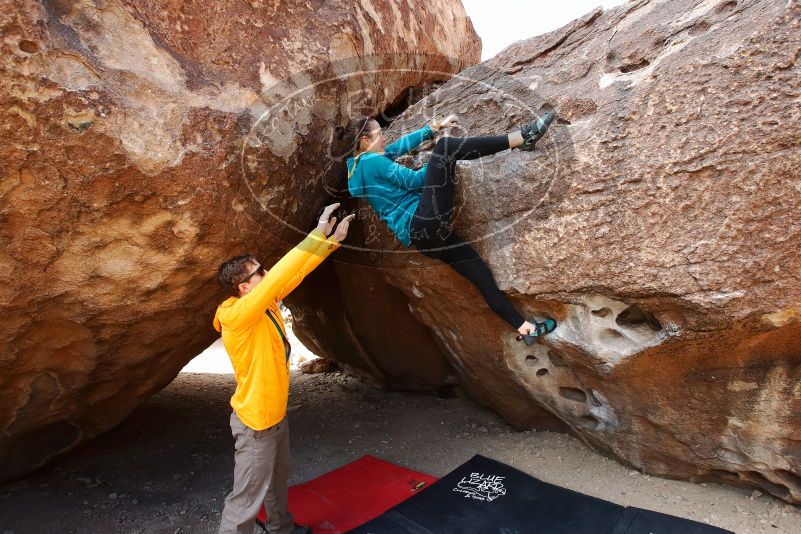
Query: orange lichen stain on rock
column 67, row 70
column 121, row 249
column 184, row 228
column 29, row 118
column 739, row 385
column 79, row 121
column 782, row 317
column 61, row 345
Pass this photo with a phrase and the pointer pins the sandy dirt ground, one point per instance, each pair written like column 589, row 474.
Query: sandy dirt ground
column 167, row 468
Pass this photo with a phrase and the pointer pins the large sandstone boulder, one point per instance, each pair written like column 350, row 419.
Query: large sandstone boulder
column 658, row 222
column 145, row 142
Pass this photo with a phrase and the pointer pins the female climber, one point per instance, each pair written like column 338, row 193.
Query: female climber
column 417, row 205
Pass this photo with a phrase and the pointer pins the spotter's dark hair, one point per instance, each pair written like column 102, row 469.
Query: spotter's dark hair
column 233, row 271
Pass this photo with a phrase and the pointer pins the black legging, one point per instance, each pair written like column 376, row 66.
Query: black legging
column 431, row 225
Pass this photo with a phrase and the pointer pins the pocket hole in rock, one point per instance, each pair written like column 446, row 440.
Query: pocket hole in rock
column 728, row 6
column 573, row 394
column 635, row 316
column 542, row 372
column 556, row 359
column 532, row 360
column 790, row 477
column 631, row 67
column 612, row 333
column 28, row 46
column 723, row 474
column 698, row 29
column 779, row 490
column 603, row 312
column 589, row 421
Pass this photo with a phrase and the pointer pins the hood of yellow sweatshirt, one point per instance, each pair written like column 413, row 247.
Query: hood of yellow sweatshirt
column 220, row 309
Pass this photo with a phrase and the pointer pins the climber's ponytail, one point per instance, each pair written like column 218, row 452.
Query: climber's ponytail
column 346, row 138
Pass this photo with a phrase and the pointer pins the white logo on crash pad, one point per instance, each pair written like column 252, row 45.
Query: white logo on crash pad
column 485, row 488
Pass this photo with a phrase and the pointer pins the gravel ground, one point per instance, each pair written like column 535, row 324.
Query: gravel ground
column 167, row 468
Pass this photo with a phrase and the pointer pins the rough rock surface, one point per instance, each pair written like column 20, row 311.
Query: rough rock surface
column 658, row 222
column 136, row 139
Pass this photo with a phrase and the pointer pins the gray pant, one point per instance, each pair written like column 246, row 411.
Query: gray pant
column 261, row 471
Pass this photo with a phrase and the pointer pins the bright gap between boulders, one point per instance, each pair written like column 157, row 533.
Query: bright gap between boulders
column 215, row 360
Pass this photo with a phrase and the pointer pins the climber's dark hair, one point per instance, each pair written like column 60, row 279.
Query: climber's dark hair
column 347, row 137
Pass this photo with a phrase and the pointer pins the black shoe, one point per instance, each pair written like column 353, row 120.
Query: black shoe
column 533, row 131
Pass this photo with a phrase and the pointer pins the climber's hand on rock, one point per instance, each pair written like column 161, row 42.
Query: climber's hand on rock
column 342, row 228
column 447, row 122
column 326, row 223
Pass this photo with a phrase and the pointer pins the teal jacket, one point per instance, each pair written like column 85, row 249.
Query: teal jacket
column 391, row 189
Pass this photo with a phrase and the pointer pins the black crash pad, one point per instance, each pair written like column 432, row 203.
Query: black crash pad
column 485, row 496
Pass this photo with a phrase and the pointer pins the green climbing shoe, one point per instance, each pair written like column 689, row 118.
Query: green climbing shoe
column 540, row 329
column 533, row 131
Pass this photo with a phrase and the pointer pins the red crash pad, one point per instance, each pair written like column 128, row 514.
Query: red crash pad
column 353, row 494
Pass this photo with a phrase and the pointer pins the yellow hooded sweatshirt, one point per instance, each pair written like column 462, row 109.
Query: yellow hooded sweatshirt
column 253, row 342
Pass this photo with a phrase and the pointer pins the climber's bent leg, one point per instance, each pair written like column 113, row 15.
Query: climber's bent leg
column 436, row 198
column 457, row 148
column 465, row 261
